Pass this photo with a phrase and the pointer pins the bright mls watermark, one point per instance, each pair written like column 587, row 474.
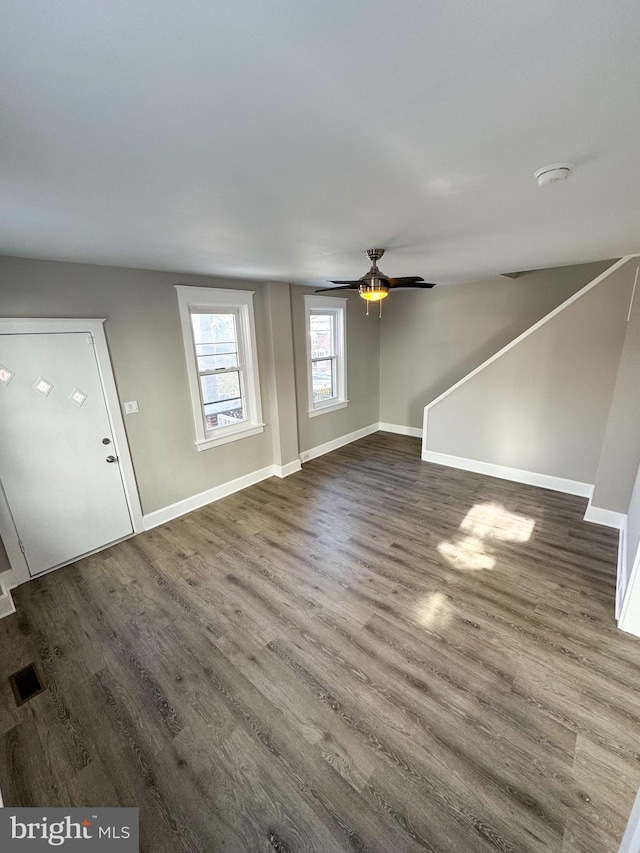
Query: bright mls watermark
column 104, row 830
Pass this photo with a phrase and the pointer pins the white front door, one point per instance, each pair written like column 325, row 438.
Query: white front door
column 58, row 465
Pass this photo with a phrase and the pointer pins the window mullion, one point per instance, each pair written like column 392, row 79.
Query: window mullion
column 219, row 372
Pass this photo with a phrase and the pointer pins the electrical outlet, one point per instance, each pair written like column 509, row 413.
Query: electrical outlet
column 131, row 408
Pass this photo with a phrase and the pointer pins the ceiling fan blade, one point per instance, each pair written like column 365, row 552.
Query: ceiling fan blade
column 346, row 281
column 354, row 286
column 422, row 284
column 405, row 279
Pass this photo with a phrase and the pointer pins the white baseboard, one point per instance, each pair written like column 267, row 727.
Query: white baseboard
column 7, row 607
column 621, row 569
column 289, row 468
column 161, row 516
column 606, row 517
column 530, row 478
column 321, row 449
column 414, row 432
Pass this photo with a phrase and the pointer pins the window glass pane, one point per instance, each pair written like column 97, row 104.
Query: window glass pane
column 222, row 399
column 224, row 414
column 223, row 386
column 323, row 380
column 216, row 340
column 211, row 357
column 322, row 335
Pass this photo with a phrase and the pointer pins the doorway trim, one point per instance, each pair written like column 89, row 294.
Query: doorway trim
column 19, row 572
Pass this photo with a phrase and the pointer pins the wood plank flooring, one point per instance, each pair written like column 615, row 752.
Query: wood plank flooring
column 375, row 654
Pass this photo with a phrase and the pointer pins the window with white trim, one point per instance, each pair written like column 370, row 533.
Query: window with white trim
column 326, row 324
column 218, row 330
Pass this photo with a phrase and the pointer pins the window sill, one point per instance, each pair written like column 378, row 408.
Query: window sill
column 333, row 407
column 236, row 435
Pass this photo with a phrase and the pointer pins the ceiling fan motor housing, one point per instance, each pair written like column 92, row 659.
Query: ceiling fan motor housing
column 374, row 285
column 373, row 288
column 375, row 254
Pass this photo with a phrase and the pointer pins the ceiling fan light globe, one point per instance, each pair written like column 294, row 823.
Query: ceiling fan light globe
column 373, row 293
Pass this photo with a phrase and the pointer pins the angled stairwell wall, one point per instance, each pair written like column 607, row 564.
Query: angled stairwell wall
column 537, row 411
column 620, row 455
column 431, row 339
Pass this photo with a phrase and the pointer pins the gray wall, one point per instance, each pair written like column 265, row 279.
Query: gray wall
column 284, row 411
column 620, row 455
column 145, row 341
column 363, row 374
column 431, row 339
column 424, row 343
column 543, row 405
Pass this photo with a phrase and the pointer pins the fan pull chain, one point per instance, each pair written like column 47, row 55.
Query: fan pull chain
column 379, row 308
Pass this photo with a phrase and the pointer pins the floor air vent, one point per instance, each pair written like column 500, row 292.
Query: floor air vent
column 26, row 683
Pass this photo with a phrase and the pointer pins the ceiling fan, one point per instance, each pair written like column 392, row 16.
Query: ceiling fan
column 374, row 286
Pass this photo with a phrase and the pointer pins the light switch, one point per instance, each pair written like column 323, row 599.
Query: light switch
column 131, row 407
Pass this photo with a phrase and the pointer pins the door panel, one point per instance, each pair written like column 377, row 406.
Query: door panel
column 65, row 498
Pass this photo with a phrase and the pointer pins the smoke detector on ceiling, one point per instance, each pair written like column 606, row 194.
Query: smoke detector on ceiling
column 552, row 174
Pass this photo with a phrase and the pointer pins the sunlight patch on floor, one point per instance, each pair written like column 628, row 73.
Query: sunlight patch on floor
column 495, row 522
column 484, row 525
column 468, row 553
column 434, row 611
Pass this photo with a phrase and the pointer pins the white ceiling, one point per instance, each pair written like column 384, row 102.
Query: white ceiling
column 281, row 138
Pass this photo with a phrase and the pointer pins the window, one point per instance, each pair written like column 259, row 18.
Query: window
column 327, row 353
column 219, row 341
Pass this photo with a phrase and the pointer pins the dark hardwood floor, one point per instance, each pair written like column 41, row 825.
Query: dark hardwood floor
column 375, row 654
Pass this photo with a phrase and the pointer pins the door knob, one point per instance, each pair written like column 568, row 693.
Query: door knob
column 111, row 459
